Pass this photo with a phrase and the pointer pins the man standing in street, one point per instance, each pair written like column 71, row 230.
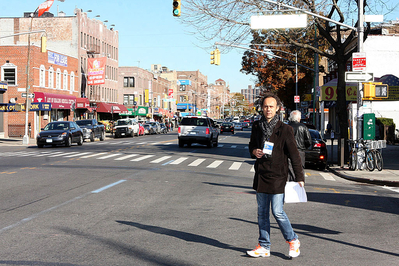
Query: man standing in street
column 301, row 133
column 272, row 143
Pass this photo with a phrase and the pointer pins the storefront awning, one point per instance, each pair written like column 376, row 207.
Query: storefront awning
column 139, row 111
column 111, row 108
column 82, row 103
column 183, row 106
column 58, row 101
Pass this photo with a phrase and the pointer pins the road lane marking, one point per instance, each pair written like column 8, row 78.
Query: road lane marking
column 252, row 169
column 394, row 189
column 215, row 164
column 235, row 166
column 125, row 157
column 179, row 161
column 327, row 176
column 197, row 162
column 109, row 156
column 161, row 159
column 142, row 158
column 79, row 154
column 109, row 186
column 63, row 154
column 92, row 155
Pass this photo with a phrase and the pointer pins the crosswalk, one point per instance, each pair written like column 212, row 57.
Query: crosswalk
column 150, row 159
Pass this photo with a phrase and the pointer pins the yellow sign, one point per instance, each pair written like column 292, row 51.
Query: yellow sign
column 307, row 97
column 329, row 93
column 146, row 96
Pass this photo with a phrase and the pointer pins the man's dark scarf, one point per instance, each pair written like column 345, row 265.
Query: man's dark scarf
column 267, row 127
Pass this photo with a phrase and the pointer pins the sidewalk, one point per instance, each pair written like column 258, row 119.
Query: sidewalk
column 389, row 176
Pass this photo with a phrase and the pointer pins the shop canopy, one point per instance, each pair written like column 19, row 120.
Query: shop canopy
column 111, row 108
column 82, row 103
column 138, row 111
column 58, row 101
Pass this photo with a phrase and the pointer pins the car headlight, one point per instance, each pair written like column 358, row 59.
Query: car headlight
column 88, row 130
column 62, row 135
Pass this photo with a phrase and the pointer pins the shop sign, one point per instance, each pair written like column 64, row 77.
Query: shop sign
column 57, row 59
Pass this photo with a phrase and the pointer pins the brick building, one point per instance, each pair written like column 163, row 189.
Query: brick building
column 50, row 80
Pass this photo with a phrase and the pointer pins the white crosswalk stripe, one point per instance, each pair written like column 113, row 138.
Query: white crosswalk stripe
column 126, row 157
column 196, row 162
column 142, row 158
column 93, row 155
column 252, row 169
column 215, row 164
column 109, row 156
column 63, row 154
column 327, row 176
column 76, row 155
column 395, row 189
column 179, row 161
column 235, row 166
column 161, row 159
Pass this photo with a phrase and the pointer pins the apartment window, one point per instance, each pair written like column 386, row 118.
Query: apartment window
column 128, row 99
column 42, row 78
column 58, row 79
column 65, row 80
column 128, row 82
column 51, row 78
column 72, row 82
column 9, row 73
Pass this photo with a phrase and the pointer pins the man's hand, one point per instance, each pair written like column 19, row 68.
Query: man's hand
column 258, row 153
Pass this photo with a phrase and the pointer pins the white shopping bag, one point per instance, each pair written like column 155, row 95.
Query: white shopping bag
column 294, row 193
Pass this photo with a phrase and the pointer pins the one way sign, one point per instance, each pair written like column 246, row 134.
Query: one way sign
column 358, row 77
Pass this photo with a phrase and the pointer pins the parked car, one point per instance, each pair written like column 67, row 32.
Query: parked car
column 202, row 130
column 317, row 153
column 227, row 127
column 148, row 129
column 60, row 133
column 126, row 127
column 245, row 124
column 238, row 126
column 92, row 129
column 156, row 126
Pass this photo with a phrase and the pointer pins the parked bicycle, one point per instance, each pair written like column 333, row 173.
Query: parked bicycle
column 361, row 149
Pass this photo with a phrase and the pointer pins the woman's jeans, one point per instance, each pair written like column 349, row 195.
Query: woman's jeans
column 276, row 201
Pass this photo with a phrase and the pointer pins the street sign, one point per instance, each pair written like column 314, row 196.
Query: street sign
column 358, row 77
column 296, row 99
column 31, row 95
column 359, row 62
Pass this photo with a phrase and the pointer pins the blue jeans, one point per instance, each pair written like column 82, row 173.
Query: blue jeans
column 276, row 201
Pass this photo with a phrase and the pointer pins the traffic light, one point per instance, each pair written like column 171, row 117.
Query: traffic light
column 372, row 90
column 43, row 44
column 213, row 57
column 176, row 8
column 217, row 57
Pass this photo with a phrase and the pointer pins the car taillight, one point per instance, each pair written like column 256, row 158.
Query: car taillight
column 207, row 131
column 179, row 130
column 321, row 157
column 319, row 145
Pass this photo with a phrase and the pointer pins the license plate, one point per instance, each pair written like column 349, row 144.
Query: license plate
column 193, row 133
column 49, row 140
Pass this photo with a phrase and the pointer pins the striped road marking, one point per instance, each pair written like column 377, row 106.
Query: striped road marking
column 63, row 154
column 196, row 162
column 161, row 159
column 142, row 158
column 179, row 161
column 327, row 176
column 215, row 164
column 109, row 156
column 125, row 157
column 235, row 166
column 76, row 155
column 92, row 155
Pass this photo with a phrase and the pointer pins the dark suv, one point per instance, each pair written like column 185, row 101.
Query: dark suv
column 202, row 130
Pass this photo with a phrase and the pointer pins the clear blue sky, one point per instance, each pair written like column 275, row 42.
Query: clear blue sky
column 149, row 34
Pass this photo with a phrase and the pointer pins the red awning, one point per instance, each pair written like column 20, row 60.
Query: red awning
column 58, row 101
column 111, row 108
column 82, row 103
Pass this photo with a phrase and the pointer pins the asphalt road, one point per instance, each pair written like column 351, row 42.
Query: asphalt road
column 145, row 201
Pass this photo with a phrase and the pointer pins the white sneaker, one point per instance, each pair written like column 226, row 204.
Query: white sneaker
column 294, row 248
column 259, row 251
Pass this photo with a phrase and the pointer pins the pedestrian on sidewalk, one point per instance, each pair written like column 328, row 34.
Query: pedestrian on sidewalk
column 302, row 138
column 272, row 143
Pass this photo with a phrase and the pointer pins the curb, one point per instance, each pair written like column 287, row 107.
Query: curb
column 365, row 180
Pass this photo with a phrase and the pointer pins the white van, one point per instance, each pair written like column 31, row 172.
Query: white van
column 236, row 119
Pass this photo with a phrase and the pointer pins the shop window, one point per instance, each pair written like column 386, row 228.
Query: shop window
column 128, row 99
column 58, row 79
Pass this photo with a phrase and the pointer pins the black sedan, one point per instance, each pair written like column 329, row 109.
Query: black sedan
column 227, row 127
column 60, row 133
column 317, row 153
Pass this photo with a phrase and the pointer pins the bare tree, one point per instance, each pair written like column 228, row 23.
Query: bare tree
column 228, row 21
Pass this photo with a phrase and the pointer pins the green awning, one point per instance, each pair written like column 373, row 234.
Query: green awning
column 140, row 111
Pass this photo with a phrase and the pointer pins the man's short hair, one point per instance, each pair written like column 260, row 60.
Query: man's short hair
column 295, row 116
column 271, row 95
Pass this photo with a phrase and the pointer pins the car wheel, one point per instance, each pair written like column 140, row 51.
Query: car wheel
column 102, row 136
column 209, row 144
column 322, row 167
column 92, row 136
column 80, row 142
column 68, row 142
column 216, row 143
column 40, row 145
